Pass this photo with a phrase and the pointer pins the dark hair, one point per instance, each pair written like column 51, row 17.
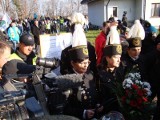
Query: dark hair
column 147, row 24
column 105, row 23
column 72, row 28
column 13, row 21
column 103, row 64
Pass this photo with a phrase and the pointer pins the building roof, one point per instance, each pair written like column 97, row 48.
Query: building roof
column 87, row 1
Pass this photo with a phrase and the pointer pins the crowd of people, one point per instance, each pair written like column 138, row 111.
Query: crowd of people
column 117, row 51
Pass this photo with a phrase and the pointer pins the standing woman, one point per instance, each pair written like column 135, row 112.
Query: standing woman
column 109, row 73
column 82, row 101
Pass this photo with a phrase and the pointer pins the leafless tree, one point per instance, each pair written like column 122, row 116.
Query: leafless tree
column 52, row 8
column 5, row 4
column 63, row 8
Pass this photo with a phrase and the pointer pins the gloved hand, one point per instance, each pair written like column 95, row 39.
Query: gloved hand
column 39, row 71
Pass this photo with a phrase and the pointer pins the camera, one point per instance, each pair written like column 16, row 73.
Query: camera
column 48, row 62
column 12, row 106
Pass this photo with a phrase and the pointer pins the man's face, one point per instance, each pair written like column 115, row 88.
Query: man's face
column 13, row 24
column 134, row 52
column 26, row 50
column 5, row 57
column 113, row 61
column 158, row 47
column 36, row 23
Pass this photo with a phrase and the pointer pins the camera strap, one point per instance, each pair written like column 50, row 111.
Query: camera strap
column 40, row 92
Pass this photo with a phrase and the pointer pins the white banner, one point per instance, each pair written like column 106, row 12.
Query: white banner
column 5, row 22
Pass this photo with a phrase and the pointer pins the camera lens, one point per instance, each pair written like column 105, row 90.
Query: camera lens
column 40, row 61
column 48, row 62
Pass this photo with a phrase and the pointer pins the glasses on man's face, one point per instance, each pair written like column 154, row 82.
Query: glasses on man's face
column 85, row 63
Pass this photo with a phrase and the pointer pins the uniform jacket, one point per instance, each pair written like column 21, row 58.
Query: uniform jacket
column 107, row 81
column 82, row 98
column 128, row 63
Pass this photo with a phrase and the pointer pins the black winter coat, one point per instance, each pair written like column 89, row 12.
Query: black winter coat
column 107, row 82
column 36, row 32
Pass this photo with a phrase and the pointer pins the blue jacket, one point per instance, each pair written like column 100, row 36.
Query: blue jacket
column 14, row 34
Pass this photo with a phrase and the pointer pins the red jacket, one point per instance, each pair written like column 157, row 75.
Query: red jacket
column 100, row 43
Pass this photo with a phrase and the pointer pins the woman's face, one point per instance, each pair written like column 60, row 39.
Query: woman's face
column 113, row 61
column 80, row 67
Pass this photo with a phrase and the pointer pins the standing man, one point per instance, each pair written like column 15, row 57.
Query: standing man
column 133, row 58
column 100, row 41
column 36, row 32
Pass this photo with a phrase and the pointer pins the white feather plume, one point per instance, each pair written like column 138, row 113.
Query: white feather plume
column 113, row 36
column 77, row 18
column 137, row 30
column 79, row 37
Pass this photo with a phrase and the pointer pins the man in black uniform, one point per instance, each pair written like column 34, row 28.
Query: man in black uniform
column 133, row 58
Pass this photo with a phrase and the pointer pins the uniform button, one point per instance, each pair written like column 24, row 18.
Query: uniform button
column 85, row 97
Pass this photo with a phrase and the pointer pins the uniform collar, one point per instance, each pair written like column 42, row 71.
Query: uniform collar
column 76, row 71
column 110, row 70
